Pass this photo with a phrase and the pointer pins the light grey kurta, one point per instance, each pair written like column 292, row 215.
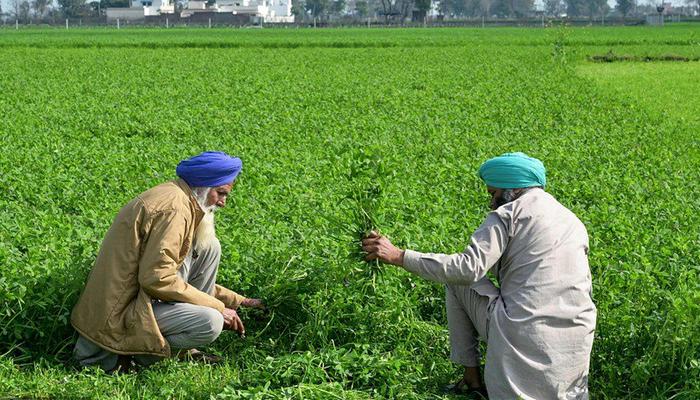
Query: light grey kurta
column 540, row 331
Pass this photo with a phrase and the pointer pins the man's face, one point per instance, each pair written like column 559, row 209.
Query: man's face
column 497, row 199
column 217, row 195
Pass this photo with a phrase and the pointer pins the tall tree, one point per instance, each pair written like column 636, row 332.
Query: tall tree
column 485, row 7
column 316, row 7
column 299, row 10
column 23, row 13
column 15, row 8
column 71, row 8
column 361, row 8
column 118, row 3
column 513, row 8
column 40, row 7
column 388, row 8
column 405, row 8
column 596, row 7
column 575, row 8
column 624, row 7
column 553, row 7
column 444, row 7
column 337, row 7
column 423, row 6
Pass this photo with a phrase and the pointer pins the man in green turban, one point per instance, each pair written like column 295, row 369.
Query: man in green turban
column 538, row 322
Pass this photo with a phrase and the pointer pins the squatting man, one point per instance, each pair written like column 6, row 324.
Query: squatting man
column 152, row 289
column 539, row 321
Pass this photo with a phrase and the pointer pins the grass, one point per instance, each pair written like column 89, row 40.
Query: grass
column 341, row 131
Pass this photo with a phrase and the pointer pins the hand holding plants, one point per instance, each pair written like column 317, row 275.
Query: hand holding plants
column 380, row 248
column 253, row 303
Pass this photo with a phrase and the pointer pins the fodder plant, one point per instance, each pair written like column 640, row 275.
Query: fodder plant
column 341, row 132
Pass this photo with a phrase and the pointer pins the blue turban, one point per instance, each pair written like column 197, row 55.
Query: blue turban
column 211, row 168
column 513, row 171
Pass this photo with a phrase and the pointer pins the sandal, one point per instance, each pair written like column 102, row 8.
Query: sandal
column 125, row 364
column 461, row 388
column 199, row 356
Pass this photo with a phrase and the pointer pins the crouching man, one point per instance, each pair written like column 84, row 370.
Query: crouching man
column 539, row 322
column 152, row 290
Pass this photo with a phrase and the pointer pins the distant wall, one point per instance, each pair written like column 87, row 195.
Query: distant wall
column 125, row 14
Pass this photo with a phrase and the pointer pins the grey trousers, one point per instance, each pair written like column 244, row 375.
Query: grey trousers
column 183, row 325
column 468, row 315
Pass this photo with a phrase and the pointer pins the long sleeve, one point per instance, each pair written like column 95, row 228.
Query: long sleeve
column 158, row 265
column 230, row 298
column 486, row 246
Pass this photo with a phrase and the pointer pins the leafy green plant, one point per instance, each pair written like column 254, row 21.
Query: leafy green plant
column 343, row 132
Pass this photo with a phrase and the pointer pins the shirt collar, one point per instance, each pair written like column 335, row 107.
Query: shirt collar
column 198, row 212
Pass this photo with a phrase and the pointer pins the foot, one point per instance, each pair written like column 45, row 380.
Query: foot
column 462, row 388
column 199, row 356
column 125, row 365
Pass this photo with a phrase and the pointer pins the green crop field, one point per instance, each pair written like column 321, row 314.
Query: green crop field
column 340, row 130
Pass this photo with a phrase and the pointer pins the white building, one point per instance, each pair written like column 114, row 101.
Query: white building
column 139, row 9
column 268, row 10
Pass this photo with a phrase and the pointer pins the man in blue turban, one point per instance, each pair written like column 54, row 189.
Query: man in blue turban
column 539, row 321
column 152, row 291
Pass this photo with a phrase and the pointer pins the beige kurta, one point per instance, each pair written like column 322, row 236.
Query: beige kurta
column 541, row 327
column 139, row 261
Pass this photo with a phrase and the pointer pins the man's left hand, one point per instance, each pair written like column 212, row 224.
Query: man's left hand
column 380, row 248
column 253, row 303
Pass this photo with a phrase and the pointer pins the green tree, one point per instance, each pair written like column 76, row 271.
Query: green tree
column 596, row 7
column 575, row 8
column 298, row 9
column 337, row 7
column 361, row 8
column 388, row 9
column 40, row 7
column 23, row 14
column 114, row 3
column 513, row 8
column 71, row 8
column 423, row 5
column 553, row 7
column 316, row 7
column 624, row 7
column 485, row 7
column 405, row 8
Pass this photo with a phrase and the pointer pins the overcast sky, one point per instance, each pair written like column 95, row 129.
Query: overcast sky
column 6, row 4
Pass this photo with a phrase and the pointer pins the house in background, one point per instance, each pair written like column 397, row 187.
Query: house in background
column 265, row 10
column 139, row 9
column 270, row 11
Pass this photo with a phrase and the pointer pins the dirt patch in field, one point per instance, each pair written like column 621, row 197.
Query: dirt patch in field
column 612, row 57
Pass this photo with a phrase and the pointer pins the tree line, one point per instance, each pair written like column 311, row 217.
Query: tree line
column 388, row 10
column 460, row 9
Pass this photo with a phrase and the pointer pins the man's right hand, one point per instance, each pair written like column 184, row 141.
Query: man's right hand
column 232, row 321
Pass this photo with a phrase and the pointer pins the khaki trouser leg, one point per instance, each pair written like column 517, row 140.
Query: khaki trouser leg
column 183, row 325
column 468, row 312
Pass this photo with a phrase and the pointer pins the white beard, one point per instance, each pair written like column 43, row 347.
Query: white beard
column 205, row 235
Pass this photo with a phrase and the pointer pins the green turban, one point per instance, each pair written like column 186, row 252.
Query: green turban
column 513, row 171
